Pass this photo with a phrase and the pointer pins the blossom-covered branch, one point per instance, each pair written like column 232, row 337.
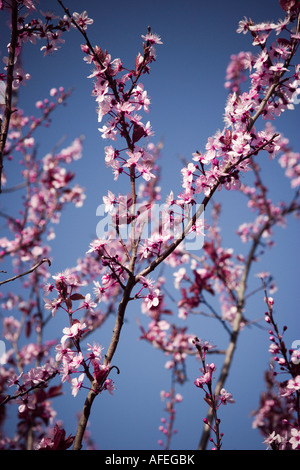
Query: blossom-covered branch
column 278, row 416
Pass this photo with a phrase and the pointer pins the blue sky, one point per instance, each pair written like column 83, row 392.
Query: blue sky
column 186, row 86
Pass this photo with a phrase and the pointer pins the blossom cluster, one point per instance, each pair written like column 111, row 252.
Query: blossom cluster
column 216, row 271
column 166, row 426
column 207, row 376
column 31, row 31
column 268, row 211
column 72, row 360
column 278, row 415
column 227, row 153
column 49, row 190
column 66, row 286
column 121, row 98
column 214, row 401
column 47, row 187
column 33, row 379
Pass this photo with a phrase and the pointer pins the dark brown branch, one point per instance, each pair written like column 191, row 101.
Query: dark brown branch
column 25, row 392
column 237, row 322
column 27, row 272
column 9, row 81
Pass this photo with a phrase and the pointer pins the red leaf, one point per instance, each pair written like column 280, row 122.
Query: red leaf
column 77, row 297
column 138, row 133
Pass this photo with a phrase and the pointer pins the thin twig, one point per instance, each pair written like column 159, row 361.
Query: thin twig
column 27, row 272
column 25, row 392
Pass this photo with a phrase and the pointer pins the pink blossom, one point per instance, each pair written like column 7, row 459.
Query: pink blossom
column 147, row 282
column 76, row 330
column 28, row 402
column 88, row 304
column 295, row 439
column 198, row 227
column 279, row 67
column 66, row 371
column 273, row 438
column 29, row 4
column 295, row 357
column 49, row 48
column 109, row 386
column 77, row 360
column 53, row 305
column 178, row 397
column 260, row 39
column 95, row 354
column 206, row 377
column 203, row 379
column 225, row 397
column 141, row 98
column 99, row 291
column 82, row 19
column 274, row 348
column 188, row 173
column 243, row 26
column 100, row 372
column 152, row 299
column 76, row 384
column 125, row 108
column 293, row 385
column 110, row 155
column 63, row 353
column 97, row 246
column 39, row 104
column 109, row 201
column 179, row 276
column 152, row 38
column 11, row 328
column 109, row 132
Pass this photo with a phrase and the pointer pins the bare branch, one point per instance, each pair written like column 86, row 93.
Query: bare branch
column 27, row 272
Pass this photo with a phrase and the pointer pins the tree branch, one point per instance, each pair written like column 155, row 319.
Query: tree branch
column 9, row 80
column 27, row 272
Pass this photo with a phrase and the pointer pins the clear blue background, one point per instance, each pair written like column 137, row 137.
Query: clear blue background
column 186, row 86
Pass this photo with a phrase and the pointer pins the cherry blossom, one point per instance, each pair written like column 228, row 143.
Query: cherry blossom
column 225, row 397
column 295, row 439
column 273, row 439
column 77, row 384
column 82, row 19
column 75, row 331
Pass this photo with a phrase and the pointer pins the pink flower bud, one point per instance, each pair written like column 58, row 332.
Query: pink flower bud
column 39, row 104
